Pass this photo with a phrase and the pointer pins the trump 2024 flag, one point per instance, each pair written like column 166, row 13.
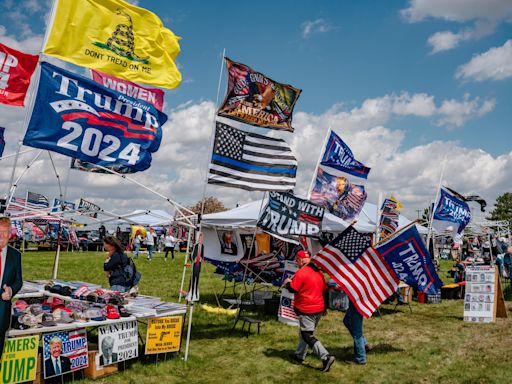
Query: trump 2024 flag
column 358, row 269
column 450, row 211
column 79, row 118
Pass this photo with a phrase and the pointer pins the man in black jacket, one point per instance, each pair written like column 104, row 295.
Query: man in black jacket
column 10, row 277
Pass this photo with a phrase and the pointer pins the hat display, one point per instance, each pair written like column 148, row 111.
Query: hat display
column 123, row 311
column 61, row 316
column 112, row 312
column 48, row 320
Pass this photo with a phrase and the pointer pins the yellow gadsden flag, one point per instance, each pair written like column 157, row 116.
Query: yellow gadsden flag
column 115, row 37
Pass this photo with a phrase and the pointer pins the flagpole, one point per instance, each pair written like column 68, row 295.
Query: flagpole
column 429, row 233
column 322, row 150
column 386, row 238
column 378, row 215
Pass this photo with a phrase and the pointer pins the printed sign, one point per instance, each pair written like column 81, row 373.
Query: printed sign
column 79, row 118
column 286, row 214
column 164, row 334
column 87, row 207
column 64, row 352
column 117, row 342
column 286, row 314
column 255, row 99
column 480, row 296
column 19, row 360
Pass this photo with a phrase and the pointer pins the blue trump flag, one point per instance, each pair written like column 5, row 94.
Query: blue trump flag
column 450, row 211
column 79, row 118
column 338, row 155
column 2, row 141
column 406, row 254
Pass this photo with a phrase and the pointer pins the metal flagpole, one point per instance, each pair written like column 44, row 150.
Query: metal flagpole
column 378, row 212
column 16, row 153
column 322, row 149
column 189, row 329
column 13, row 186
column 429, row 234
column 185, row 261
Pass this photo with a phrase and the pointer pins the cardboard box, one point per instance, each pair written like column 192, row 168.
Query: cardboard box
column 91, row 372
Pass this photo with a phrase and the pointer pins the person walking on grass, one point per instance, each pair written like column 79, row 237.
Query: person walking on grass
column 169, row 244
column 310, row 289
column 137, row 239
column 150, row 242
column 114, row 264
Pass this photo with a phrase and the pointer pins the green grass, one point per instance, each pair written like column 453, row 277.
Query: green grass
column 431, row 345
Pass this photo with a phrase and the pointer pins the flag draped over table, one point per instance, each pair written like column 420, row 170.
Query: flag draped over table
column 16, row 68
column 338, row 195
column 117, row 38
column 358, row 269
column 37, row 201
column 255, row 99
column 450, row 211
column 80, row 118
column 389, row 217
column 409, row 258
column 251, row 161
column 338, row 155
column 2, row 141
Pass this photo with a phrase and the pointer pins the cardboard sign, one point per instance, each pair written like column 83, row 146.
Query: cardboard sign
column 286, row 313
column 19, row 360
column 64, row 352
column 483, row 301
column 117, row 342
column 164, row 334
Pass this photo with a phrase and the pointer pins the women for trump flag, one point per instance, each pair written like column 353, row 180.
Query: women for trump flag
column 255, row 99
column 79, row 118
column 115, row 37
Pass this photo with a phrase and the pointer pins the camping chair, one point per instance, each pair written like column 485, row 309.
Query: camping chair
column 244, row 305
column 406, row 295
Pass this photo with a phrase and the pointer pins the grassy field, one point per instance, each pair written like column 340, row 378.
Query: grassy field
column 431, row 345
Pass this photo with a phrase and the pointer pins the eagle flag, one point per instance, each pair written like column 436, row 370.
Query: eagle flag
column 359, row 270
column 255, row 99
column 115, row 37
column 79, row 118
column 338, row 155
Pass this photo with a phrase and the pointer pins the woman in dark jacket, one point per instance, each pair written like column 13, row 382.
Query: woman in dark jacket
column 114, row 264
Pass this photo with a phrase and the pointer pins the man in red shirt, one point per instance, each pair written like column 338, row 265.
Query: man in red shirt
column 309, row 287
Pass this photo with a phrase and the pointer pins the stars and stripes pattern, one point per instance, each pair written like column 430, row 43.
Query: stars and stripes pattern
column 389, row 217
column 286, row 311
column 360, row 271
column 36, row 200
column 17, row 204
column 251, row 161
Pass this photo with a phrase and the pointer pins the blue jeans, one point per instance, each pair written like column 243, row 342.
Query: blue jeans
column 119, row 288
column 151, row 248
column 136, row 249
column 353, row 320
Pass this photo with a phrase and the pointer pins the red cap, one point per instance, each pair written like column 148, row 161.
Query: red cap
column 302, row 255
column 112, row 312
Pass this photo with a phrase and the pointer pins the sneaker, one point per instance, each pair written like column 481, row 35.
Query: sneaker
column 296, row 359
column 327, row 362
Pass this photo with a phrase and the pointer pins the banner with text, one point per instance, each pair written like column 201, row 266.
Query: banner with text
column 286, row 214
column 117, row 342
column 19, row 360
column 79, row 118
column 64, row 352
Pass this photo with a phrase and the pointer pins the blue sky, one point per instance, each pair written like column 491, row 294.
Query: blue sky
column 414, row 78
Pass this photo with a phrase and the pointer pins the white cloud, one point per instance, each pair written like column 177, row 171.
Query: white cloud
column 455, row 113
column 311, row 27
column 485, row 15
column 31, row 44
column 495, row 64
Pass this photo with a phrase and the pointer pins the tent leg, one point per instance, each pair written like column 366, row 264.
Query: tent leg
column 189, row 330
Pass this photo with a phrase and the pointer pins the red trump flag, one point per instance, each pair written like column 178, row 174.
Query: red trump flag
column 16, row 68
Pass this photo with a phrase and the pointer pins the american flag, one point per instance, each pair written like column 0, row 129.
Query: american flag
column 286, row 313
column 250, row 161
column 358, row 269
column 36, row 200
column 17, row 204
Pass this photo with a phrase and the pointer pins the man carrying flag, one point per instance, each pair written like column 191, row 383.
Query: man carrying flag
column 308, row 284
column 364, row 276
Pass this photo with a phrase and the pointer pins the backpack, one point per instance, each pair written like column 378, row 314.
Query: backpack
column 131, row 275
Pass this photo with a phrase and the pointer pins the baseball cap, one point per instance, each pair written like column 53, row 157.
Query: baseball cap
column 302, row 255
column 61, row 316
column 36, row 309
column 95, row 314
column 123, row 311
column 48, row 320
column 21, row 304
column 112, row 312
column 29, row 320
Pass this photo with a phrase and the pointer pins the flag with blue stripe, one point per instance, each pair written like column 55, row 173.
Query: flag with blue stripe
column 251, row 161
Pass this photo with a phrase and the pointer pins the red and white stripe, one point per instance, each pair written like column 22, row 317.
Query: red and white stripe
column 368, row 281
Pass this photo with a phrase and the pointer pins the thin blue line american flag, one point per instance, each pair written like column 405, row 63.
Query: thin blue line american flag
column 36, row 200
